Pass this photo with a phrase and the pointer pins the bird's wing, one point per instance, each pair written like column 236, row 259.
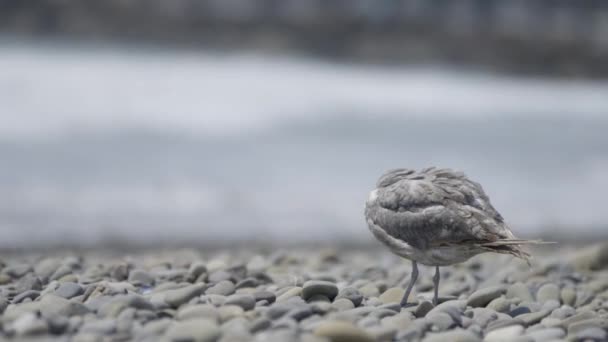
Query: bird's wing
column 435, row 207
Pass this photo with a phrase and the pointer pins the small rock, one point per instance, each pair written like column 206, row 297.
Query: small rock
column 292, row 292
column 546, row 334
column 3, row 304
column 351, row 294
column 440, row 321
column 228, row 312
column 519, row 290
column 224, row 288
column 264, row 295
column 341, row 304
column 68, row 290
column 392, row 295
column 198, row 311
column 568, row 296
column 140, row 277
column 576, row 327
column 340, row 331
column 30, row 324
column 31, row 294
column 319, row 287
column 177, row 297
column 247, row 302
column 99, row 327
column 456, row 335
column 483, row 296
column 52, row 305
column 591, row 334
column 500, row 304
column 200, row 330
column 505, row 334
column 17, row 271
column 423, row 308
column 533, row 317
column 369, row 290
column 195, row 270
column 548, row 292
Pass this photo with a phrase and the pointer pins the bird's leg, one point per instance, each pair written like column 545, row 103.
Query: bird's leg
column 436, row 283
column 413, row 278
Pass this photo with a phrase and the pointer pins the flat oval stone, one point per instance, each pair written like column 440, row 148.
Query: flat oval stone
column 319, row 287
column 548, row 292
column 340, row 331
column 247, row 302
column 483, row 296
column 351, row 294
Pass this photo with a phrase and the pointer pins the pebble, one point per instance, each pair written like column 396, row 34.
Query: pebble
column 483, row 296
column 505, row 334
column 140, row 277
column 351, row 294
column 340, row 331
column 319, row 287
column 440, row 320
column 548, row 292
column 247, row 302
column 200, row 330
column 224, row 288
column 51, row 305
column 519, row 290
column 546, row 334
column 392, row 295
column 568, row 296
column 533, row 317
column 198, row 311
column 295, row 291
column 177, row 297
column 423, row 308
column 31, row 294
column 69, row 290
column 456, row 335
column 265, row 295
column 340, row 304
column 500, row 304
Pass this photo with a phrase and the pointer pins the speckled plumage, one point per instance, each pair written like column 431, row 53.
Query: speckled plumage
column 437, row 217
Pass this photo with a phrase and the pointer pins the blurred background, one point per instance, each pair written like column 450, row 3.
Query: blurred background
column 144, row 122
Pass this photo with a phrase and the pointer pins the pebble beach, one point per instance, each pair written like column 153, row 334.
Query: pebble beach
column 300, row 294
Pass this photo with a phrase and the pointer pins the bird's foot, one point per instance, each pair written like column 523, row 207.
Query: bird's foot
column 407, row 305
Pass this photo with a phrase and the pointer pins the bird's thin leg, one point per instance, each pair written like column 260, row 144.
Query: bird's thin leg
column 436, row 283
column 413, row 278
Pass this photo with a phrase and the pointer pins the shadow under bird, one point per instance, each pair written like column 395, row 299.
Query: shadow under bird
column 437, row 217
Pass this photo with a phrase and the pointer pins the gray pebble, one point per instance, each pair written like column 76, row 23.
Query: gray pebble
column 31, row 294
column 575, row 327
column 546, row 334
column 265, row 295
column 440, row 321
column 260, row 324
column 206, row 311
column 3, row 304
column 224, row 288
column 200, row 330
column 423, row 308
column 319, row 287
column 568, row 296
column 351, row 294
column 177, row 297
column 340, row 304
column 548, row 292
column 483, row 296
column 69, row 290
column 51, row 305
column 505, row 334
column 591, row 333
column 247, row 302
column 140, row 277
column 29, row 324
column 100, row 327
column 533, row 317
column 455, row 335
column 519, row 290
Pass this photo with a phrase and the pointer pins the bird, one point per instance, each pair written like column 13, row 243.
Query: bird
column 437, row 217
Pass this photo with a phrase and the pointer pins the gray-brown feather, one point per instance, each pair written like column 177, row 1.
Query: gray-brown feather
column 436, row 207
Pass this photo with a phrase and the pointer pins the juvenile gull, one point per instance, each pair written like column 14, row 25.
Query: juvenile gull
column 437, row 217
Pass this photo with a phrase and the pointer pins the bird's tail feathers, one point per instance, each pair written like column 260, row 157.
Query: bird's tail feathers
column 513, row 247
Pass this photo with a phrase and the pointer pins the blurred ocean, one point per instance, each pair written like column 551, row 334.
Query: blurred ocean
column 151, row 146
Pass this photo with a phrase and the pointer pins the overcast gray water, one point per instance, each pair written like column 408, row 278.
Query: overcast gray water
column 153, row 146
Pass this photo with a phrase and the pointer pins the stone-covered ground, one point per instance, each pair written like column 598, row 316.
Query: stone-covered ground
column 306, row 294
